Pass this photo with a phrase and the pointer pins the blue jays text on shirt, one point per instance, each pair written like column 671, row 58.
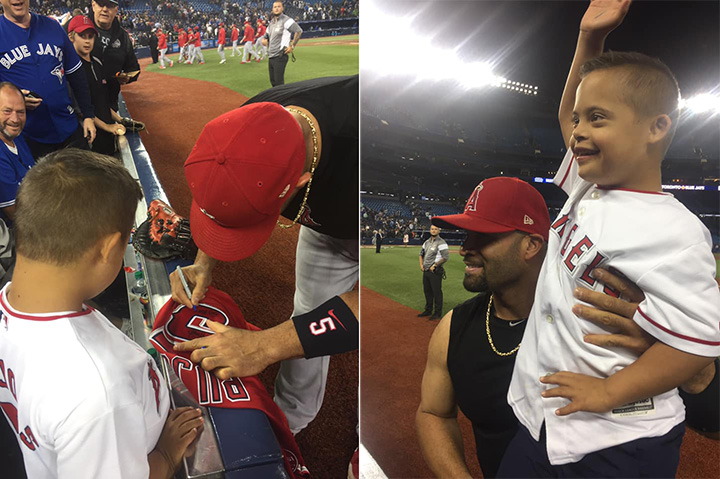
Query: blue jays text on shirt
column 22, row 51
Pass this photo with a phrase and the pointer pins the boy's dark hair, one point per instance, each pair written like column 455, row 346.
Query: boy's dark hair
column 68, row 201
column 650, row 88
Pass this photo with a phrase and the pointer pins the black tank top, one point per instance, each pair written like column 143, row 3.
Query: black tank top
column 481, row 378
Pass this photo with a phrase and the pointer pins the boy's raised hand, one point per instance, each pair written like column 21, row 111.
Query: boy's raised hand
column 603, row 16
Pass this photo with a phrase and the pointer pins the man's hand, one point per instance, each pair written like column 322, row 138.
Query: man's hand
column 603, row 16
column 89, row 131
column 432, row 268
column 122, row 78
column 264, row 42
column 31, row 102
column 230, row 352
column 586, row 393
column 289, row 50
column 198, row 276
column 614, row 314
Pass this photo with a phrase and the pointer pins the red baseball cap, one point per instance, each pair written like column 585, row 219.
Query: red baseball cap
column 80, row 23
column 499, row 205
column 240, row 172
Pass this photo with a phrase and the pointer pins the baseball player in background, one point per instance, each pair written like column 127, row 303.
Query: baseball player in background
column 182, row 41
column 260, row 49
column 162, row 48
column 37, row 56
column 247, row 41
column 198, row 46
column 302, row 178
column 234, row 35
column 475, row 343
column 617, row 130
column 221, row 42
column 108, row 395
column 190, row 46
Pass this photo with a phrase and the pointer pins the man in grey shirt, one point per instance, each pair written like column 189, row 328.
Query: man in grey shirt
column 433, row 255
column 279, row 42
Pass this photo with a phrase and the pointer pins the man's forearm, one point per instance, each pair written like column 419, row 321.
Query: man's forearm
column 660, row 369
column 204, row 260
column 296, row 39
column 442, row 445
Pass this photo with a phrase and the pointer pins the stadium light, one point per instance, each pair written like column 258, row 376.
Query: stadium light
column 422, row 60
column 702, row 103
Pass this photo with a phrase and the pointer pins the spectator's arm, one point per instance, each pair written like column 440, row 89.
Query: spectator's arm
column 81, row 90
column 131, row 63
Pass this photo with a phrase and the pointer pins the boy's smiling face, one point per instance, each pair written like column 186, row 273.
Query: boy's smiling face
column 609, row 139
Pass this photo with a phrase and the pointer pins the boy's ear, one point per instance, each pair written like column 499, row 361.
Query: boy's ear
column 108, row 244
column 660, row 128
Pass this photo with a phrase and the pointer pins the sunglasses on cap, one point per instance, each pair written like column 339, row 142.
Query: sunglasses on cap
column 106, row 3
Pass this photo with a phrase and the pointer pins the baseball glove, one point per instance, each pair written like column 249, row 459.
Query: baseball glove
column 132, row 125
column 164, row 234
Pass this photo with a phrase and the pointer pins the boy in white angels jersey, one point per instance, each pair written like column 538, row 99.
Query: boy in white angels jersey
column 624, row 415
column 84, row 400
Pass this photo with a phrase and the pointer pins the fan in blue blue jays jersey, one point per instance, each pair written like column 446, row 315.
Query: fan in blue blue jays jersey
column 37, row 56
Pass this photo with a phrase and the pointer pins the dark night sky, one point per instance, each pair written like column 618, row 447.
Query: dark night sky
column 535, row 40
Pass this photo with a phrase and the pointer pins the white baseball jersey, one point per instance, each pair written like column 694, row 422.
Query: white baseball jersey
column 84, row 399
column 659, row 245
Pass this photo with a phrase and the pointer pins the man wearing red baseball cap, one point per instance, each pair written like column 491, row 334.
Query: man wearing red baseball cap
column 291, row 151
column 472, row 351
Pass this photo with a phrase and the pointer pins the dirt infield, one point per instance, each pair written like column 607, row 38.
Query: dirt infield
column 394, row 345
column 175, row 110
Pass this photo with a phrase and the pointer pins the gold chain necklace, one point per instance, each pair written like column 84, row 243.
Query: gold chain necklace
column 303, row 205
column 487, row 329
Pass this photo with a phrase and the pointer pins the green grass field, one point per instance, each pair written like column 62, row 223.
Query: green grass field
column 395, row 273
column 313, row 61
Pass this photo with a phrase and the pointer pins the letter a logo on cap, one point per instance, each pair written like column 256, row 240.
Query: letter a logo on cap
column 471, row 204
column 528, row 220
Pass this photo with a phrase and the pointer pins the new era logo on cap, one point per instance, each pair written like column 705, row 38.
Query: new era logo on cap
column 528, row 221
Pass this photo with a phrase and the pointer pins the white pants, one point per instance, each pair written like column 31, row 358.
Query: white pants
column 235, row 49
column 190, row 53
column 163, row 57
column 324, row 267
column 182, row 54
column 248, row 49
column 199, row 55
column 221, row 50
column 259, row 47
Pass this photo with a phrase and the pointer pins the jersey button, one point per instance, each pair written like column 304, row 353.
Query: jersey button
column 550, row 319
column 581, row 212
column 595, row 195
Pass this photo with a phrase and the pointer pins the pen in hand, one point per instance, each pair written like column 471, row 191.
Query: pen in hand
column 185, row 285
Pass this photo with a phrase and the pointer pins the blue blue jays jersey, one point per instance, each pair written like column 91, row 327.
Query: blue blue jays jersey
column 13, row 169
column 37, row 59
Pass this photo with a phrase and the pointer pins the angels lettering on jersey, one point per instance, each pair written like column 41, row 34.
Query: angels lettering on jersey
column 573, row 251
column 22, row 52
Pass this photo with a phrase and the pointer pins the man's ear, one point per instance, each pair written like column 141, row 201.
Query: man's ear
column 108, row 244
column 660, row 128
column 534, row 246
